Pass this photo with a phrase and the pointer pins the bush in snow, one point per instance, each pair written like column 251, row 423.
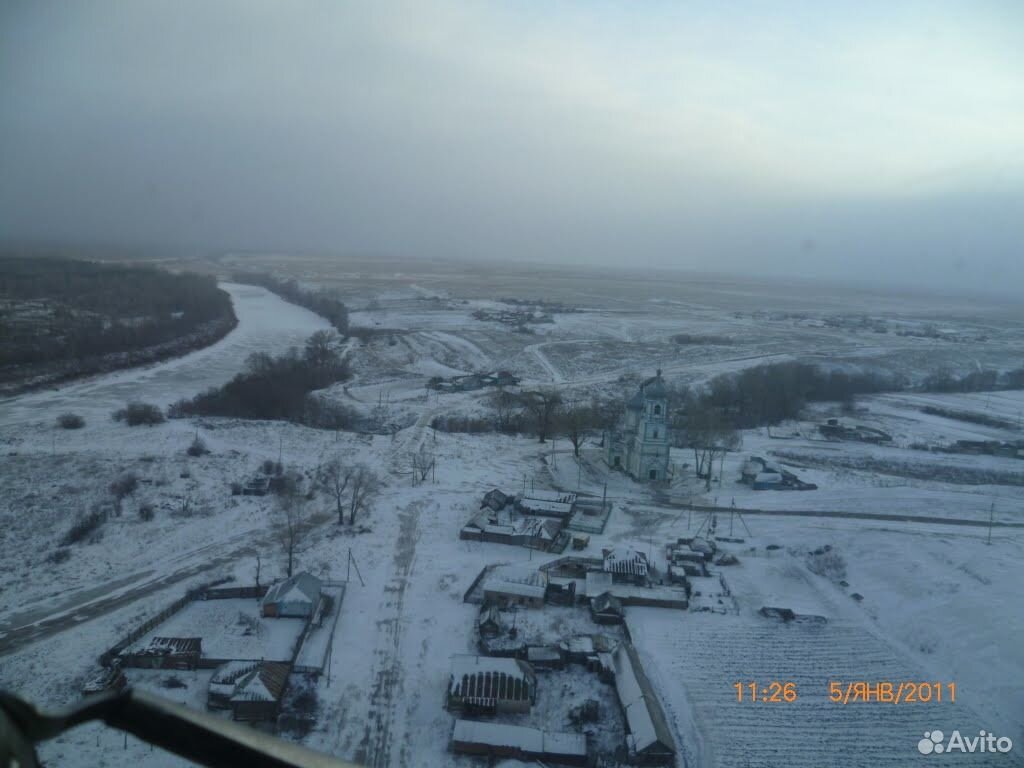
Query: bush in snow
column 197, row 448
column 125, row 485
column 85, row 527
column 829, row 564
column 137, row 413
column 146, row 511
column 70, row 421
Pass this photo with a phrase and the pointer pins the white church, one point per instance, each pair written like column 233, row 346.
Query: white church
column 640, row 446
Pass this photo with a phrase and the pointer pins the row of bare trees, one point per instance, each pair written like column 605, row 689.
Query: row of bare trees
column 547, row 413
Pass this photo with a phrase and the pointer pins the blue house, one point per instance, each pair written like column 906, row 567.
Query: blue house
column 297, row 597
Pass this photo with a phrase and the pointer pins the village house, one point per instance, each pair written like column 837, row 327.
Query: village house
column 258, row 693
column 506, row 527
column 640, row 446
column 296, row 597
column 490, row 685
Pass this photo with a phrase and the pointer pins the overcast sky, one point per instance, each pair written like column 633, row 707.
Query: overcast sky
column 832, row 139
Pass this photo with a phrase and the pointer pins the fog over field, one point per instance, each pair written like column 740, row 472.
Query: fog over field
column 872, row 143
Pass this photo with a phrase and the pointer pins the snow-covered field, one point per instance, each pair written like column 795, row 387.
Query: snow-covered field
column 940, row 603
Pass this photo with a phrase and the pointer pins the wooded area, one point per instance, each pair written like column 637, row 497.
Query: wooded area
column 69, row 314
column 278, row 387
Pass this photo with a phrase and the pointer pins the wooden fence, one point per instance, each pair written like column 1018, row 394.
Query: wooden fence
column 132, row 637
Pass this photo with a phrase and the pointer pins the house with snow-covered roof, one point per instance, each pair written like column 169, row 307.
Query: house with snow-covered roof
column 295, row 597
column 649, row 739
column 626, row 565
column 258, row 693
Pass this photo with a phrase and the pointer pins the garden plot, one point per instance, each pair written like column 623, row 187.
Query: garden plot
column 695, row 660
column 231, row 629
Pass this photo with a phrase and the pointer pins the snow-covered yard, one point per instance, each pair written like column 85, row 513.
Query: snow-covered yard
column 231, row 629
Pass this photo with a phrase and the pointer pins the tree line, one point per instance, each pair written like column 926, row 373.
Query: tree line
column 279, row 388
column 60, row 309
column 542, row 413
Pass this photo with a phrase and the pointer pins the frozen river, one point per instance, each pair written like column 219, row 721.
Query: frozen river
column 266, row 323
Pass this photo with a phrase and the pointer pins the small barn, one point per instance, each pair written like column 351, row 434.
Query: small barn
column 606, row 609
column 258, row 693
column 545, row 657
column 649, row 740
column 256, row 486
column 223, row 682
column 767, row 481
column 500, row 740
column 504, row 593
column 751, row 469
column 489, row 685
column 488, row 623
column 547, row 504
column 496, row 500
column 297, row 597
column 627, row 566
column 168, row 653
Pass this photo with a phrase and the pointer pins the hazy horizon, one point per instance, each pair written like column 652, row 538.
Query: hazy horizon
column 878, row 144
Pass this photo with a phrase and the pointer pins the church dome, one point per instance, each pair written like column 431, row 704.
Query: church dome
column 654, row 387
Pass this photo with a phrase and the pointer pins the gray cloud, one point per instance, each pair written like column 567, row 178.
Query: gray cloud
column 858, row 146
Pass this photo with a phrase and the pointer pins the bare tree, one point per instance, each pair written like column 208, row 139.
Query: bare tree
column 711, row 437
column 364, row 486
column 319, row 350
column 334, row 478
column 506, row 409
column 542, row 406
column 574, row 421
column 422, row 464
column 291, row 509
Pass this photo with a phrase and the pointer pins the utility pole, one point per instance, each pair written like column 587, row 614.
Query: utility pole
column 348, row 568
column 991, row 515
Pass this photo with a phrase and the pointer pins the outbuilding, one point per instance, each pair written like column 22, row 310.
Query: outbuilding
column 258, row 693
column 498, row 740
column 489, row 685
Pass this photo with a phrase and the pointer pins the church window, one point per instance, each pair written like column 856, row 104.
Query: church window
column 655, row 433
column 657, row 411
column 653, row 474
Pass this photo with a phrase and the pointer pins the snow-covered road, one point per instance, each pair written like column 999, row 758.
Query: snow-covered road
column 266, row 323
